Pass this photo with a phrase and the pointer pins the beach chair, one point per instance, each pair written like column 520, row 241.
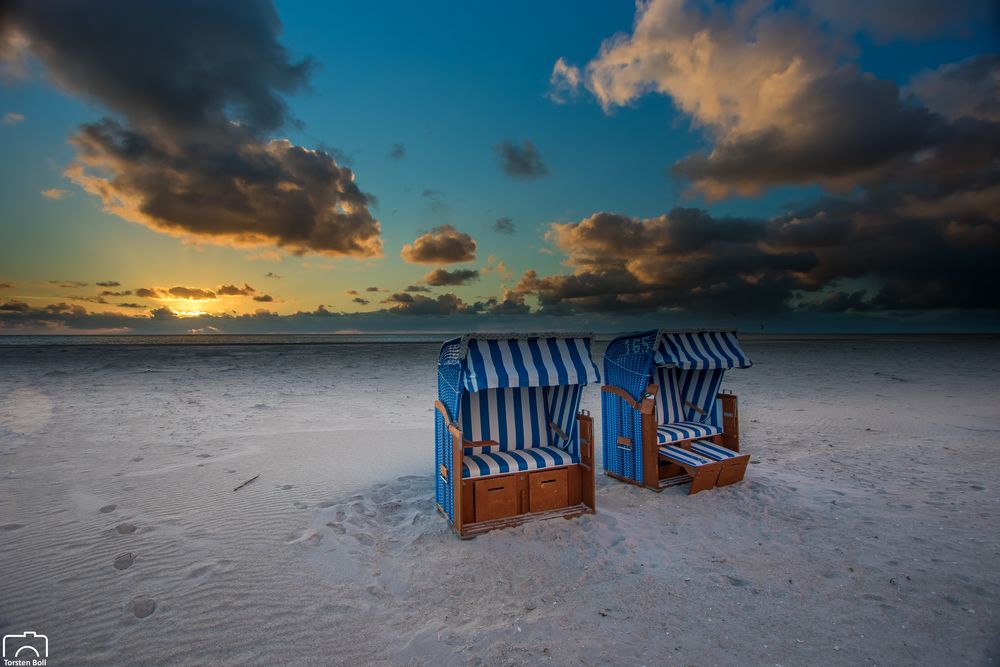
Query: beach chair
column 511, row 443
column 665, row 419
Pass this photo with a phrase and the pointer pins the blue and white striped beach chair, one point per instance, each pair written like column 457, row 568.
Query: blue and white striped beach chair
column 665, row 419
column 511, row 441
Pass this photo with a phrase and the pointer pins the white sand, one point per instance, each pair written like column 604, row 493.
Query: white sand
column 866, row 533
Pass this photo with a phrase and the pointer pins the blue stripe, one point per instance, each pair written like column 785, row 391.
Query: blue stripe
column 518, row 418
column 498, row 368
column 536, row 357
column 712, row 450
column 502, row 436
column 574, row 356
column 557, row 360
column 522, row 369
column 477, row 378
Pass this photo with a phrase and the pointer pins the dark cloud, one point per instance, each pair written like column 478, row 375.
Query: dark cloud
column 911, row 20
column 233, row 290
column 360, row 300
column 67, row 284
column 108, row 283
column 15, row 307
column 504, row 225
column 439, row 277
column 198, row 94
column 6, row 285
column 131, row 305
column 177, row 292
column 403, row 303
column 520, row 161
column 397, row 152
column 690, row 261
column 441, row 245
column 435, row 199
column 263, row 298
column 272, row 274
column 968, row 88
column 845, row 126
column 373, row 289
column 196, row 293
column 416, row 288
column 350, row 292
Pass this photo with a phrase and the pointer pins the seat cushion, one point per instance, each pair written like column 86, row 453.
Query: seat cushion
column 684, row 456
column 684, row 431
column 514, row 460
column 712, row 450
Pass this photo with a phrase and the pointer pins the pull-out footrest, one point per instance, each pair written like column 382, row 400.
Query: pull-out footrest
column 734, row 464
column 703, row 471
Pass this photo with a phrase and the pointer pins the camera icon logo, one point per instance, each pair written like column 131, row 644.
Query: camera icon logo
column 26, row 645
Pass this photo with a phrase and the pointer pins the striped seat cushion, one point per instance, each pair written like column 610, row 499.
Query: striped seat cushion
column 712, row 450
column 514, row 460
column 684, row 431
column 684, row 456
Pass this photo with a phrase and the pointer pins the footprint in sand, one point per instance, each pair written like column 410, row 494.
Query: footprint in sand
column 136, row 459
column 337, row 528
column 108, row 508
column 143, row 606
column 125, row 528
column 124, row 561
column 300, row 506
column 284, row 487
column 11, row 526
column 204, row 456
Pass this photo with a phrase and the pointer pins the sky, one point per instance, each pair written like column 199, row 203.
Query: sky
column 256, row 167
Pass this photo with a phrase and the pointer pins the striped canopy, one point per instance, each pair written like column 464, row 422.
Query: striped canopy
column 543, row 360
column 696, row 350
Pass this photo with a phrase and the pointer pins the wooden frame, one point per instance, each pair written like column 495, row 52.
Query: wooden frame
column 576, row 479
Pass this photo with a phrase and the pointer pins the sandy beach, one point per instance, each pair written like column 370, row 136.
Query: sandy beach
column 864, row 534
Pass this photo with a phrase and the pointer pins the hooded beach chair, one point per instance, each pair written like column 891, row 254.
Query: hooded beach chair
column 665, row 420
column 511, row 442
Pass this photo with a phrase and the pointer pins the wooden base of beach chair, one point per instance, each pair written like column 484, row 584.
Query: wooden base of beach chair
column 473, row 529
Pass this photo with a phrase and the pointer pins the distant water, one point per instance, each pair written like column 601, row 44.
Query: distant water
column 404, row 338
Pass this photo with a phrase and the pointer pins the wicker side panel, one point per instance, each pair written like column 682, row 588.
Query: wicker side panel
column 449, row 393
column 619, row 420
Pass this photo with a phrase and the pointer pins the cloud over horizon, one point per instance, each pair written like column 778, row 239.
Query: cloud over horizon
column 441, row 245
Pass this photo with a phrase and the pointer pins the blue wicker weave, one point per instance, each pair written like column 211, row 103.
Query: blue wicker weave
column 628, row 363
column 449, row 392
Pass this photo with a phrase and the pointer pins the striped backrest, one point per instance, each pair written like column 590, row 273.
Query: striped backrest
column 669, row 406
column 514, row 417
column 563, row 404
column 699, row 388
column 677, row 387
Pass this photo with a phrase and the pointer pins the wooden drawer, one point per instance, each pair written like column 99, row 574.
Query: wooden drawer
column 496, row 498
column 547, row 490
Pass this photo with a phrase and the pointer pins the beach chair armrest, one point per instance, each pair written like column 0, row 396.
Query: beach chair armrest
column 645, row 406
column 452, row 427
column 471, row 444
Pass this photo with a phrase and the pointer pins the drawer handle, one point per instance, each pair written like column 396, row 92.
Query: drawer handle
column 549, row 481
column 496, row 488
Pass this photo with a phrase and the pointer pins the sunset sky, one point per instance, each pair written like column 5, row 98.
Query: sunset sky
column 243, row 167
